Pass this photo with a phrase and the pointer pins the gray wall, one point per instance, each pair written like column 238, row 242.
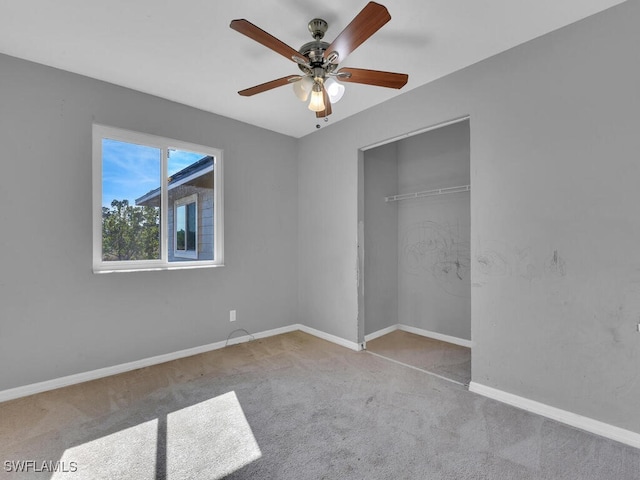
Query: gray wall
column 380, row 244
column 56, row 317
column 434, row 282
column 554, row 224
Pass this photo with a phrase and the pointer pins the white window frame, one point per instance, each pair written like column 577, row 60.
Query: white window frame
column 101, row 132
column 176, row 204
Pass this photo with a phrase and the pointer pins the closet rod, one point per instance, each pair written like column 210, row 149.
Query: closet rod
column 428, row 193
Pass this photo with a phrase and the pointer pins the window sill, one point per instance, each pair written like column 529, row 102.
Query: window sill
column 154, row 268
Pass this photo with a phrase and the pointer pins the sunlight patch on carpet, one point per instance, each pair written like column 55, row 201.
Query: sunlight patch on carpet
column 210, row 439
column 124, row 454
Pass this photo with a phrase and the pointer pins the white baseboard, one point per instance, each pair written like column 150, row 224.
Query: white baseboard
column 419, row 331
column 23, row 391
column 578, row 421
column 331, row 338
column 256, row 336
column 380, row 333
column 436, row 336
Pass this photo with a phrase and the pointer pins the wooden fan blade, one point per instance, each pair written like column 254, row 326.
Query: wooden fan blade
column 255, row 33
column 327, row 105
column 374, row 77
column 370, row 19
column 263, row 87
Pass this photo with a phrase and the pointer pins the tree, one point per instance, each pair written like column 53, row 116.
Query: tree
column 130, row 232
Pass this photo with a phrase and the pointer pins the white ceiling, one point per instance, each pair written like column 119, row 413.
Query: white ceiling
column 184, row 50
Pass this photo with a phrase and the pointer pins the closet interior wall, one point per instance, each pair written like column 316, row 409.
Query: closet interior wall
column 416, row 251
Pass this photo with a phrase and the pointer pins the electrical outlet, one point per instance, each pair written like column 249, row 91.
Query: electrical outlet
column 232, row 316
column 638, row 328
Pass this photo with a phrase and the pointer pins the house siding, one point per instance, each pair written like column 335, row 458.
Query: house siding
column 204, row 218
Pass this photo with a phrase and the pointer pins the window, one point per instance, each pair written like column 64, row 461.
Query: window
column 186, row 227
column 157, row 202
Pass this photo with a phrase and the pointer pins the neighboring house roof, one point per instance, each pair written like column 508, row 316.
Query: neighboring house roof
column 186, row 175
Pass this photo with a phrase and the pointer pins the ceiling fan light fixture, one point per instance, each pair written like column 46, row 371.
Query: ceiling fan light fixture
column 302, row 88
column 335, row 90
column 317, row 101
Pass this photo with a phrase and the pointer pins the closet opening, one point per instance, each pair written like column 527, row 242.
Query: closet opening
column 414, row 248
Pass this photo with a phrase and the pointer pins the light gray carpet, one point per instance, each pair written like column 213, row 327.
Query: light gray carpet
column 295, row 407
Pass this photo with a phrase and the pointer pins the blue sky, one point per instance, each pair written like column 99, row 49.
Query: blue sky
column 129, row 170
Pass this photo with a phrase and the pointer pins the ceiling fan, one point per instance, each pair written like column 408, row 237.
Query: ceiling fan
column 318, row 60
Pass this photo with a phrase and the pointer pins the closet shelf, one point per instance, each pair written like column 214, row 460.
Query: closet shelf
column 428, row 193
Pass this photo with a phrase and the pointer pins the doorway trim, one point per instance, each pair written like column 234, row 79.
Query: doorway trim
column 415, row 132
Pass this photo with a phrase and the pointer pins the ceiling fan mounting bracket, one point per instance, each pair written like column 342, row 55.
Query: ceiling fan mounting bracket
column 318, row 27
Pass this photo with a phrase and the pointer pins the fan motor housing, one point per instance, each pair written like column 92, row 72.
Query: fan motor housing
column 314, row 51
